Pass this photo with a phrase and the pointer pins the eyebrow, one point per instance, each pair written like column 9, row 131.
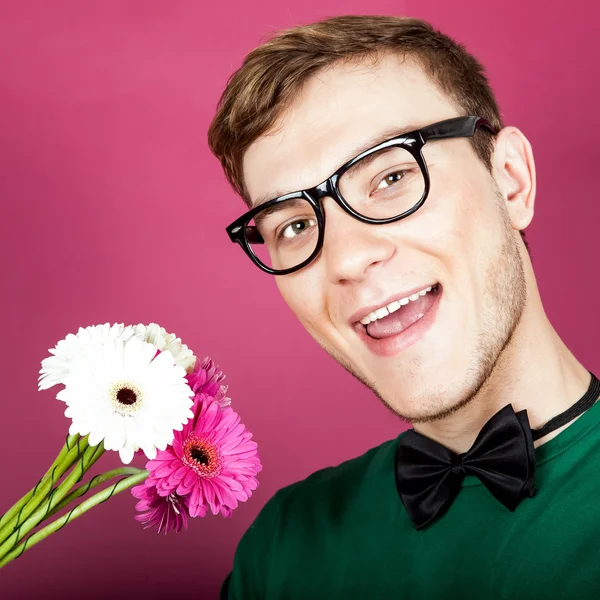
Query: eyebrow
column 382, row 136
column 276, row 208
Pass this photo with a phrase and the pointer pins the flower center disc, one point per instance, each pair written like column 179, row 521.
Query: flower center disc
column 126, row 397
column 202, row 456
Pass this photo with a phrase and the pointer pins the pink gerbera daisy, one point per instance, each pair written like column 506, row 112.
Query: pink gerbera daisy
column 212, row 462
column 160, row 512
column 206, row 379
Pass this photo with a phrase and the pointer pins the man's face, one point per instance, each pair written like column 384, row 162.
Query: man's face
column 460, row 239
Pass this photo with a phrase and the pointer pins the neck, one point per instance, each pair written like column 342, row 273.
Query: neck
column 536, row 371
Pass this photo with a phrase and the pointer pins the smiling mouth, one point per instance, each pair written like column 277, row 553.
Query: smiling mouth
column 404, row 313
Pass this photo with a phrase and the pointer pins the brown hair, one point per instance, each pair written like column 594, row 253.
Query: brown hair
column 271, row 75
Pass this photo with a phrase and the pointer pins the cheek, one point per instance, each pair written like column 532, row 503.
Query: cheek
column 459, row 211
column 302, row 294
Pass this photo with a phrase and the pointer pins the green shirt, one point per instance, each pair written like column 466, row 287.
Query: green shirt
column 344, row 533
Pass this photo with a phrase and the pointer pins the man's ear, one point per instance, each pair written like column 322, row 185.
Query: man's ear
column 514, row 171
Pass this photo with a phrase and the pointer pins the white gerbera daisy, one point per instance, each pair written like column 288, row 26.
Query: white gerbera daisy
column 56, row 368
column 157, row 335
column 121, row 393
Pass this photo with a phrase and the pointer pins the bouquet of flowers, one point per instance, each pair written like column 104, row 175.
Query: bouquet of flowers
column 134, row 390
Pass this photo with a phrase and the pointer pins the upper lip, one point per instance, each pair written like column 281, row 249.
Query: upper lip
column 365, row 310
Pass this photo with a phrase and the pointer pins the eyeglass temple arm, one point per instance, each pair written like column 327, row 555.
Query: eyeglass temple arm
column 457, row 127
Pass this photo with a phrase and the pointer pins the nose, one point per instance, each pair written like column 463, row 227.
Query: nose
column 351, row 248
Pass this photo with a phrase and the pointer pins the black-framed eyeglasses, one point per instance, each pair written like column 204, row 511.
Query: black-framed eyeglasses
column 383, row 184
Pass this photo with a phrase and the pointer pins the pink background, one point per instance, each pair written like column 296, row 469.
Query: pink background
column 114, row 210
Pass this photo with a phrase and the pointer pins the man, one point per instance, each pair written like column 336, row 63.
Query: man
column 388, row 199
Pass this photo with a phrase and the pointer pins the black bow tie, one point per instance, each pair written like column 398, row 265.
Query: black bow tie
column 429, row 476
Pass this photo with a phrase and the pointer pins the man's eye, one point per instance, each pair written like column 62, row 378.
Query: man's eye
column 390, row 179
column 297, row 227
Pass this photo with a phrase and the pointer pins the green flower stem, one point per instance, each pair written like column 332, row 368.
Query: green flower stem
column 69, row 444
column 89, row 457
column 102, row 496
column 22, row 509
column 92, row 483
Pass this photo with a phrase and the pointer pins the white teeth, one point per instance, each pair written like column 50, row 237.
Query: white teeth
column 384, row 311
column 369, row 318
column 394, row 306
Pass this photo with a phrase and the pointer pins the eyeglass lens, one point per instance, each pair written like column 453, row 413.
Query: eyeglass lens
column 382, row 185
